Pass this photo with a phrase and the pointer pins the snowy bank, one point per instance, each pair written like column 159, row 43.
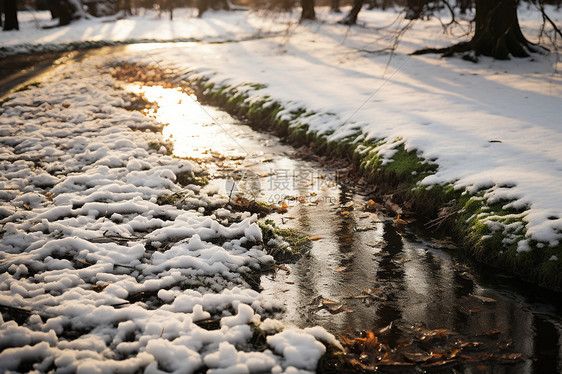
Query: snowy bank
column 491, row 128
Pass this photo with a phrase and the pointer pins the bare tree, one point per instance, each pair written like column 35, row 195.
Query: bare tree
column 351, row 17
column 10, row 10
column 497, row 33
column 307, row 10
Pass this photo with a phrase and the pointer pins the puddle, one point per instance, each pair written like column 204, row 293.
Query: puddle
column 365, row 270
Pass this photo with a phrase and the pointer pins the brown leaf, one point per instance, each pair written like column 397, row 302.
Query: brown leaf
column 340, row 269
column 283, row 267
column 399, row 220
column 508, row 357
column 484, row 299
column 316, row 238
column 392, row 206
column 100, row 288
column 416, row 355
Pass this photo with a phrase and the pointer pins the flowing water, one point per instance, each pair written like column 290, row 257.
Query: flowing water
column 364, row 271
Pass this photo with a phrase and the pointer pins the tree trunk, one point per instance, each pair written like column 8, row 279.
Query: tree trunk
column 351, row 17
column 126, row 7
column 497, row 34
column 202, row 6
column 335, row 6
column 497, row 31
column 414, row 8
column 10, row 15
column 62, row 10
column 307, row 10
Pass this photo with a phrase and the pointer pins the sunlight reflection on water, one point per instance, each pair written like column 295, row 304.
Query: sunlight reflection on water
column 188, row 123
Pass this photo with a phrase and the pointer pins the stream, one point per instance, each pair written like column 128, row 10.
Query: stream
column 364, row 270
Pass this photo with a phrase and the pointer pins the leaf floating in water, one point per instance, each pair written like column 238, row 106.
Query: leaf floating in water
column 417, row 355
column 484, row 299
column 332, row 306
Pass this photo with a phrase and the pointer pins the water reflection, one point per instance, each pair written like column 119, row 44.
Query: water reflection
column 379, row 272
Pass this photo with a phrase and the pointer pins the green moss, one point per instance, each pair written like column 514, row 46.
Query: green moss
column 28, row 86
column 298, row 244
column 188, row 177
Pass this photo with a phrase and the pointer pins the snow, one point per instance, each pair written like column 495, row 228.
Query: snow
column 77, row 173
column 105, row 278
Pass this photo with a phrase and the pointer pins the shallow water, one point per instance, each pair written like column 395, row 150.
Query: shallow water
column 364, row 270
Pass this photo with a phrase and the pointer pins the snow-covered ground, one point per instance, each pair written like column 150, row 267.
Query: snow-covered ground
column 74, row 173
column 83, row 257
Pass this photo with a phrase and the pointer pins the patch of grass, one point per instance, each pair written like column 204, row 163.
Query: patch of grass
column 156, row 146
column 28, row 86
column 298, row 244
column 189, row 177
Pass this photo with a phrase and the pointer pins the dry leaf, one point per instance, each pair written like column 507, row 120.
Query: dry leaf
column 315, row 238
column 283, row 267
column 399, row 220
column 341, row 268
column 100, row 288
column 484, row 299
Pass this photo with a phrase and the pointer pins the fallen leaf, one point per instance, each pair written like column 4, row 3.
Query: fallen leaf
column 341, row 268
column 416, row 355
column 333, row 306
column 283, row 267
column 484, row 299
column 392, row 206
column 399, row 220
column 100, row 288
column 345, row 212
column 508, row 357
column 315, row 238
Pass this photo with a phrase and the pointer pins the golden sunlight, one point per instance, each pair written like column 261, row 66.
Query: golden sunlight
column 192, row 128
